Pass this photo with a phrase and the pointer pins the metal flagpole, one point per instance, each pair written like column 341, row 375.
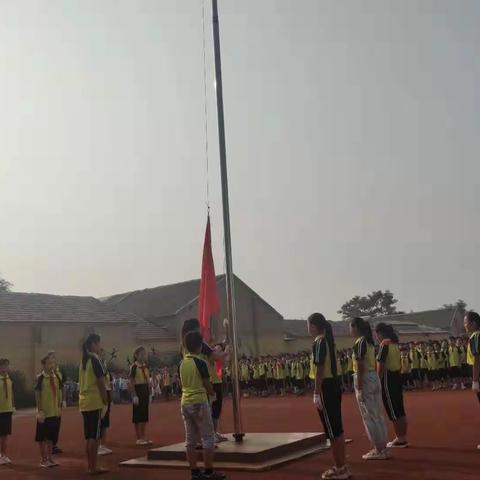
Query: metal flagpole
column 231, row 313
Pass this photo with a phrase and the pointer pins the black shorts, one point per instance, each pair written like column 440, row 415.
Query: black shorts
column 5, row 424
column 416, row 374
column 454, row 372
column 48, row 430
column 443, row 373
column 140, row 411
column 331, row 414
column 218, row 403
column 392, row 395
column 279, row 384
column 91, row 424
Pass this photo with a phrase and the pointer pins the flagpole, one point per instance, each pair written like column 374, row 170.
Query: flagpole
column 231, row 312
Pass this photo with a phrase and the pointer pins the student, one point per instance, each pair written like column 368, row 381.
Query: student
column 105, row 424
column 166, row 383
column 140, row 391
column 327, row 396
column 415, row 359
column 48, row 396
column 93, row 399
column 6, row 409
column 368, row 389
column 196, row 411
column 388, row 368
column 211, row 355
column 472, row 326
column 423, row 366
column 454, row 362
column 464, row 371
column 56, row 450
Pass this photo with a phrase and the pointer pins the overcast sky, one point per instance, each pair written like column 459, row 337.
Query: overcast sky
column 353, row 135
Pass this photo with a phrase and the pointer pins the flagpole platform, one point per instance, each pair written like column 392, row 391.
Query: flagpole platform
column 257, row 452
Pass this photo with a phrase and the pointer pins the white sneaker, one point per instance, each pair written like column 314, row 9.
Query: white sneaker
column 220, row 438
column 397, row 444
column 143, row 443
column 44, row 464
column 102, row 450
column 7, row 460
column 454, row 387
column 375, row 455
column 335, row 473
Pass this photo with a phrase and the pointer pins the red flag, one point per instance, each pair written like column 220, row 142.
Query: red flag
column 208, row 303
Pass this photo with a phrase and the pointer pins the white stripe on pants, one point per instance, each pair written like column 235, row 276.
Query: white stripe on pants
column 371, row 409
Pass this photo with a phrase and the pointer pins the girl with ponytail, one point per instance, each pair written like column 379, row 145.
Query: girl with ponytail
column 327, row 396
column 140, row 391
column 388, row 368
column 368, row 389
column 93, row 399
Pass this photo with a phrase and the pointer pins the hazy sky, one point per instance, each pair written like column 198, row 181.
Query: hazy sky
column 353, row 135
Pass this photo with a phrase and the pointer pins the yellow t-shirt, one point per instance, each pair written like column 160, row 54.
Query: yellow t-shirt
column 6, row 394
column 321, row 357
column 193, row 371
column 473, row 348
column 362, row 350
column 49, row 390
column 89, row 398
column 389, row 354
column 139, row 372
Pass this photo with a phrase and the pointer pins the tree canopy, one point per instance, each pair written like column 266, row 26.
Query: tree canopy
column 372, row 305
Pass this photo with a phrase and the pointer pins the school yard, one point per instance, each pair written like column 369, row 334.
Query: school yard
column 445, row 429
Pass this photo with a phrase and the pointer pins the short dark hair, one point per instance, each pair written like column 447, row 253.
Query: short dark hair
column 193, row 341
column 473, row 317
column 4, row 362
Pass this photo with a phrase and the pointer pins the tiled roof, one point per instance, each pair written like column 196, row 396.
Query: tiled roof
column 39, row 307
column 149, row 332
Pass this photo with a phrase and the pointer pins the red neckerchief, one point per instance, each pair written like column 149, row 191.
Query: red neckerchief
column 144, row 370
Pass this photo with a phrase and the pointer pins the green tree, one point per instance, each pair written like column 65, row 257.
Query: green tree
column 5, row 285
column 372, row 305
column 461, row 305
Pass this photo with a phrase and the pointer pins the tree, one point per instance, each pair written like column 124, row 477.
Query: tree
column 5, row 285
column 372, row 305
column 460, row 305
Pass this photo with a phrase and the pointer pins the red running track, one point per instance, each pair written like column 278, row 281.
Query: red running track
column 444, row 433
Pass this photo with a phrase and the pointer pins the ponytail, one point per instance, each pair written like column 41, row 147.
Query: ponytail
column 319, row 321
column 386, row 330
column 87, row 346
column 364, row 328
column 473, row 317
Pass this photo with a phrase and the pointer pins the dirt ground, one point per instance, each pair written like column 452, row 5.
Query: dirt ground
column 444, row 433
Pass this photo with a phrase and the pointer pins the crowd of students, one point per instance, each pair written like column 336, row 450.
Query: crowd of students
column 377, row 371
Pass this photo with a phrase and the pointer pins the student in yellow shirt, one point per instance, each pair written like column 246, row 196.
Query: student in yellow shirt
column 166, row 383
column 388, row 369
column 6, row 409
column 472, row 326
column 140, row 390
column 197, row 391
column 93, row 399
column 368, row 389
column 48, row 396
column 105, row 424
column 327, row 396
column 56, row 450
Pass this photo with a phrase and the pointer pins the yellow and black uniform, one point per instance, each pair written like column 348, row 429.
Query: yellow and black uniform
column 362, row 350
column 193, row 371
column 215, row 379
column 454, row 361
column 415, row 359
column 108, row 387
column 473, row 349
column 49, row 392
column 331, row 391
column 392, row 391
column 279, row 374
column 433, row 359
column 90, row 401
column 140, row 376
column 6, row 405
